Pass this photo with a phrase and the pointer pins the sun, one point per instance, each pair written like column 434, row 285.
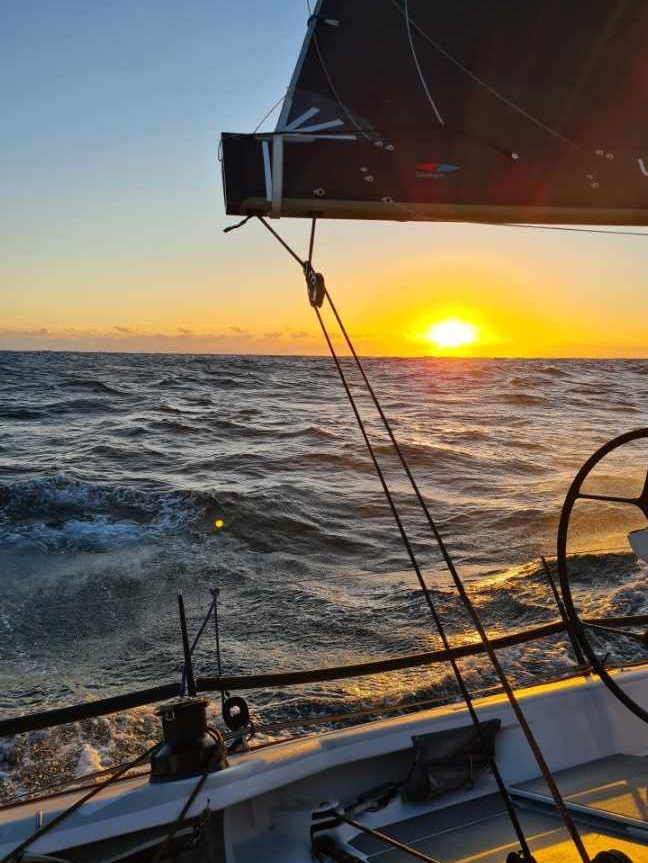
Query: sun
column 451, row 333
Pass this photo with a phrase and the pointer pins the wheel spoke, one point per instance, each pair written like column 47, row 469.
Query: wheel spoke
column 581, row 627
column 642, row 503
column 635, row 501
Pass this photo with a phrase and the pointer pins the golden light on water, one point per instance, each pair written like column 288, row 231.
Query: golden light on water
column 452, row 333
column 219, row 523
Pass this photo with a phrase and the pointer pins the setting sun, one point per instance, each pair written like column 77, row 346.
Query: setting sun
column 451, row 333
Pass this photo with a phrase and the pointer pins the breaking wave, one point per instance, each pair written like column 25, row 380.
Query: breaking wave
column 124, row 478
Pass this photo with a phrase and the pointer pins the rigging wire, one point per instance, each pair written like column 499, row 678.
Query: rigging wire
column 461, row 684
column 611, row 233
column 469, row 605
column 408, row 27
column 337, row 815
column 194, row 644
column 535, row 227
column 270, row 112
column 16, row 853
column 437, row 621
column 458, row 582
column 219, row 663
column 412, row 24
column 329, row 81
column 216, row 754
column 111, row 602
column 385, row 131
column 479, row 81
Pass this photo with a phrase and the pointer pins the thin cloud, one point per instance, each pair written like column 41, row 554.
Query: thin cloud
column 42, row 331
column 229, row 339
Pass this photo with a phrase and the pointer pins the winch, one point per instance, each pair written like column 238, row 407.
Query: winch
column 190, row 747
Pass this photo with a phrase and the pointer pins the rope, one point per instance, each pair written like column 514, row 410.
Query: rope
column 219, row 664
column 569, row 629
column 71, row 785
column 269, row 112
column 109, row 602
column 479, row 81
column 408, row 27
column 639, row 637
column 410, row 551
column 643, row 234
column 14, row 854
column 377, row 834
column 378, row 710
column 197, row 639
column 431, row 607
column 472, row 611
column 332, row 86
column 216, row 755
column 44, row 858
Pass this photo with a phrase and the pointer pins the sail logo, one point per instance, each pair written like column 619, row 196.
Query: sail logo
column 436, row 170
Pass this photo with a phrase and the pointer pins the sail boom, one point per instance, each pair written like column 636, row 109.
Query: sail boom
column 462, row 111
column 310, row 161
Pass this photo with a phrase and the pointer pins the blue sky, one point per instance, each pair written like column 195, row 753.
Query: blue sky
column 112, row 110
column 110, row 230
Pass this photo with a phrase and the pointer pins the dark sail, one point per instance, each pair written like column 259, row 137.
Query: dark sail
column 467, row 110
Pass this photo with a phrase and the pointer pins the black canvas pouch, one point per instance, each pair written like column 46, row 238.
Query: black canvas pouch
column 447, row 760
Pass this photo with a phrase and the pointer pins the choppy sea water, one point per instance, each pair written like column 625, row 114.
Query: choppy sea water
column 115, row 468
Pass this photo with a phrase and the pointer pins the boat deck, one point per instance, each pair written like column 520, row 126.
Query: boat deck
column 609, row 800
column 489, row 838
column 614, row 788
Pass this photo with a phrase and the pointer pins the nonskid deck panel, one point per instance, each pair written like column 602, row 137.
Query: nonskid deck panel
column 612, row 789
column 421, row 827
column 479, row 831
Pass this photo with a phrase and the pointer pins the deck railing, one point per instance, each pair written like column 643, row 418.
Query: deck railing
column 227, row 683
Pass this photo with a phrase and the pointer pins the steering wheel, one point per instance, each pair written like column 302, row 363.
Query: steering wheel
column 639, row 544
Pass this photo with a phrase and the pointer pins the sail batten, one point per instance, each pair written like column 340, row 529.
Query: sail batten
column 463, row 111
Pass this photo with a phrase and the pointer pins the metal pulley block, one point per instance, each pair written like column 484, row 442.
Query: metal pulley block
column 315, row 286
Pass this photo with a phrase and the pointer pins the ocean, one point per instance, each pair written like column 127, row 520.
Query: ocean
column 115, row 469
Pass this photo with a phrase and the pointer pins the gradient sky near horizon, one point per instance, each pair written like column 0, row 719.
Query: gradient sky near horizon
column 112, row 210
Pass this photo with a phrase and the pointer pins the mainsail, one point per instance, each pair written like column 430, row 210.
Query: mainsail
column 458, row 110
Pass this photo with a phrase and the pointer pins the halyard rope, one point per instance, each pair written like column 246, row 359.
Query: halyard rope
column 408, row 546
column 472, row 611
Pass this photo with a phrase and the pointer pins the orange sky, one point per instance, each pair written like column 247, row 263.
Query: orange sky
column 527, row 294
column 112, row 211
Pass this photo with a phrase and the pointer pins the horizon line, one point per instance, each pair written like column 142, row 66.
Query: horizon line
column 555, row 358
